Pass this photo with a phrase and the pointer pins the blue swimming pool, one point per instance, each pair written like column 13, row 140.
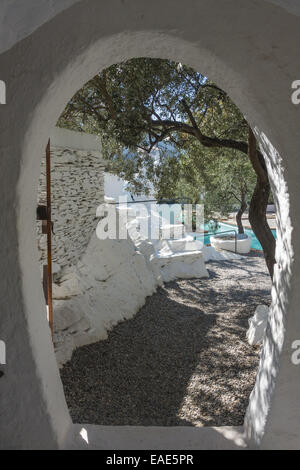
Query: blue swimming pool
column 223, row 227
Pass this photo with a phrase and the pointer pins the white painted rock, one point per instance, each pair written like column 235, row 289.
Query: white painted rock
column 67, row 288
column 210, row 254
column 179, row 245
column 257, row 325
column 66, row 315
column 180, row 265
column 108, row 285
column 243, row 245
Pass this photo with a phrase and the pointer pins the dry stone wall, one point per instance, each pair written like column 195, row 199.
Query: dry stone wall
column 77, row 187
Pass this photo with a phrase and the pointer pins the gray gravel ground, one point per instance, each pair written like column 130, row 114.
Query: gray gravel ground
column 182, row 360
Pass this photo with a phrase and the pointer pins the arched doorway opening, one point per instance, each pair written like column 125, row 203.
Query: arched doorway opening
column 42, row 102
column 85, row 392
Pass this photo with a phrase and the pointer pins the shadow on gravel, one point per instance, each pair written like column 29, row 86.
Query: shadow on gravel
column 182, row 360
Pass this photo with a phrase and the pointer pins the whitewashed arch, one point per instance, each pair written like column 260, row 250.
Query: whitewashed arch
column 230, row 43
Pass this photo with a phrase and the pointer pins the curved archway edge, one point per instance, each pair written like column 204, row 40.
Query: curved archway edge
column 256, row 66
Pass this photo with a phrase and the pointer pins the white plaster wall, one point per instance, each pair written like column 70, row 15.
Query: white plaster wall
column 19, row 18
column 248, row 48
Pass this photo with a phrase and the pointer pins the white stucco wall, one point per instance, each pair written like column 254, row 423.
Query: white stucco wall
column 249, row 49
column 18, row 18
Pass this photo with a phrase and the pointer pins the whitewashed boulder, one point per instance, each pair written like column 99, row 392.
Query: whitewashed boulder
column 179, row 245
column 109, row 284
column 210, row 254
column 257, row 325
column 69, row 286
column 227, row 242
column 67, row 313
column 180, row 265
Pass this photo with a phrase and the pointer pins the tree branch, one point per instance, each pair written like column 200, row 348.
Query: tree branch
column 235, row 196
column 100, row 83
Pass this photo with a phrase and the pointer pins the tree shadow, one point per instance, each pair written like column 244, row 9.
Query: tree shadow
column 182, row 360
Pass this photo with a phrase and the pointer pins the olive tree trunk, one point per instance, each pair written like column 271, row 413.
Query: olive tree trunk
column 241, row 211
column 258, row 204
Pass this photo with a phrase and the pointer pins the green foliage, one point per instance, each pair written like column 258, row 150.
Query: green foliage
column 220, row 179
column 136, row 105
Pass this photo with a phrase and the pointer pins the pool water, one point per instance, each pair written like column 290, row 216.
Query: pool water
column 223, row 227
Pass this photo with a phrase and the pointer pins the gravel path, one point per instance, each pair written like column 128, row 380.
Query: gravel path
column 182, row 360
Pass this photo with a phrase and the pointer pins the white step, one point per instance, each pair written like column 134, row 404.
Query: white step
column 182, row 244
column 180, row 265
